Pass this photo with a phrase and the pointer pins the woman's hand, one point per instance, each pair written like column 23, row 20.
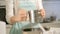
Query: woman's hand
column 42, row 13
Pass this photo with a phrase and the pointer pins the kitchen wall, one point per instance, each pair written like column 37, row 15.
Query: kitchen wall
column 52, row 7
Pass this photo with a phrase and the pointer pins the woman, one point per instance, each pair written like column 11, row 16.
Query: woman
column 22, row 14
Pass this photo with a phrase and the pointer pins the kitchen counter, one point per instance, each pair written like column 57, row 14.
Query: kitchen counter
column 43, row 24
column 54, row 24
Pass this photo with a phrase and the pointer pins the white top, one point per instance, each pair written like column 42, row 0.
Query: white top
column 9, row 8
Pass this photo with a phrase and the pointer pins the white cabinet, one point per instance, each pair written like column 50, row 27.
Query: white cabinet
column 2, row 27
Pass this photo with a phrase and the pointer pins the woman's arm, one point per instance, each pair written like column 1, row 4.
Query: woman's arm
column 9, row 10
